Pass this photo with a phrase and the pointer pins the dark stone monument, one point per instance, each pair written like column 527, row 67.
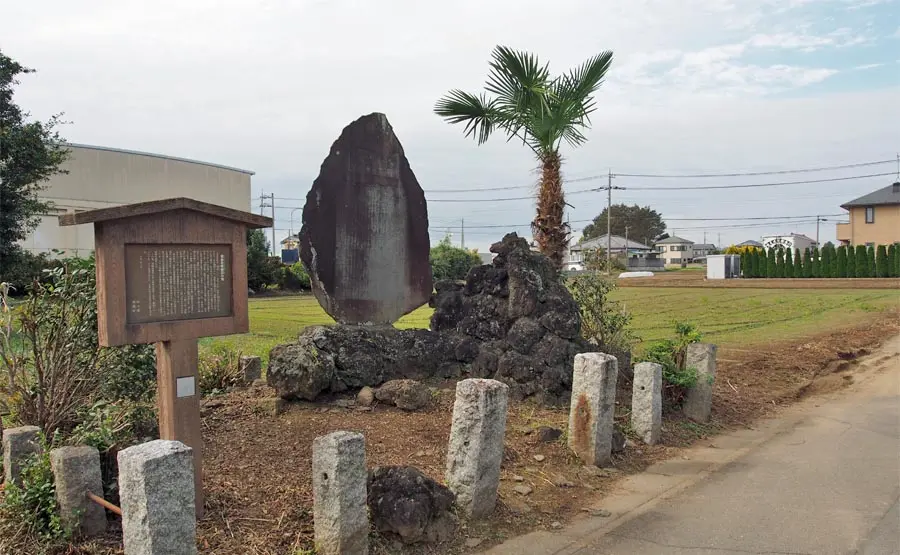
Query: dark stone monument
column 365, row 239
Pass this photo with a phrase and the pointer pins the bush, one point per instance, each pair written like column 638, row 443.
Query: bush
column 881, row 262
column 53, row 362
column 20, row 268
column 29, row 513
column 220, row 370
column 449, row 262
column 294, row 278
column 670, row 354
column 604, row 322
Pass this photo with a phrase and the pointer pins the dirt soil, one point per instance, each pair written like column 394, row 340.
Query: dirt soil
column 698, row 279
column 257, row 464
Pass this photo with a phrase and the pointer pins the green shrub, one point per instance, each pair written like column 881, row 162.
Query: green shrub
column 219, row 371
column 670, row 354
column 881, row 262
column 449, row 262
column 604, row 322
column 788, row 264
column 53, row 362
column 294, row 278
column 870, row 260
column 29, row 513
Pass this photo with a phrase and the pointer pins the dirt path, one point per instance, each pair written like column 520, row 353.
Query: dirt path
column 821, row 478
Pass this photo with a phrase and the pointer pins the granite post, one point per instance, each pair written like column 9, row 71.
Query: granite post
column 340, row 513
column 156, row 487
column 76, row 472
column 251, row 369
column 593, row 407
column 698, row 400
column 475, row 451
column 18, row 445
column 646, row 402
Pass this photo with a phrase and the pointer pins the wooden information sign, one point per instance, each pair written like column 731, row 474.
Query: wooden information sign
column 169, row 272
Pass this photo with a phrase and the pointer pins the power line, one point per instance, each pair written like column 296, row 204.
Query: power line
column 688, row 188
column 753, row 185
column 779, row 219
column 746, row 174
column 700, row 175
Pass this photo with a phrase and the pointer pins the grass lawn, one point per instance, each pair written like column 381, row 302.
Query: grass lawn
column 728, row 317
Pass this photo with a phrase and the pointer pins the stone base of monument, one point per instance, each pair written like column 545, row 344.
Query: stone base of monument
column 512, row 320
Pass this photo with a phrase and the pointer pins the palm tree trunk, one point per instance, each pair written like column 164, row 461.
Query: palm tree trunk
column 549, row 231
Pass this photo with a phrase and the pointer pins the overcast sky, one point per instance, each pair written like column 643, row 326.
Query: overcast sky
column 696, row 86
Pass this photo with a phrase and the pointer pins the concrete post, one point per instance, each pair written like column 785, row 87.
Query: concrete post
column 18, row 445
column 76, row 472
column 593, row 407
column 646, row 402
column 340, row 513
column 251, row 369
column 475, row 451
column 698, row 400
column 156, row 487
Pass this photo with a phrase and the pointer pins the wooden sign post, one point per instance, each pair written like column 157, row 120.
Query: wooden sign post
column 170, row 272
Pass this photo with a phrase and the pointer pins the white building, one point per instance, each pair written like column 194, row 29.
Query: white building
column 791, row 241
column 676, row 250
column 100, row 177
column 619, row 247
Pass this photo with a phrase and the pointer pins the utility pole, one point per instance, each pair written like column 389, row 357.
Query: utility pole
column 719, row 241
column 818, row 219
column 704, row 237
column 462, row 233
column 262, row 204
column 609, row 224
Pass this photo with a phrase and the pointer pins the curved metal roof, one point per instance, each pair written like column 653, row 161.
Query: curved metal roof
column 163, row 156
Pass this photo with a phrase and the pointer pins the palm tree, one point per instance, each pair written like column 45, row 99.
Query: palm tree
column 540, row 110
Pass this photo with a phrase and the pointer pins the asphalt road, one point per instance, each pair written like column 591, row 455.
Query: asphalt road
column 826, row 483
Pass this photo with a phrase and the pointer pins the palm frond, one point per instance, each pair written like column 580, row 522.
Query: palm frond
column 581, row 82
column 521, row 84
column 478, row 113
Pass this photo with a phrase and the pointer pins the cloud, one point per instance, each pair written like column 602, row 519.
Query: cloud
column 269, row 85
column 868, row 66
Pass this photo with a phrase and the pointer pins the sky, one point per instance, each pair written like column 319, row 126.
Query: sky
column 696, row 87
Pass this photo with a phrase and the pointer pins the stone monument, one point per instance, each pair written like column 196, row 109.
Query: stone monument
column 364, row 238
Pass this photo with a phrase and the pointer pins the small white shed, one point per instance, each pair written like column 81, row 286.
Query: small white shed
column 723, row 266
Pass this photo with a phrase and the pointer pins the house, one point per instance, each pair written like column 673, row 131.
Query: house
column 291, row 242
column 874, row 218
column 702, row 250
column 792, row 241
column 618, row 247
column 676, row 250
column 750, row 243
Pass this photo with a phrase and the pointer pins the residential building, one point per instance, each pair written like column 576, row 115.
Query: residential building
column 702, row 250
column 750, row 243
column 101, row 177
column 676, row 250
column 874, row 218
column 790, row 241
column 486, row 257
column 291, row 242
column 618, row 247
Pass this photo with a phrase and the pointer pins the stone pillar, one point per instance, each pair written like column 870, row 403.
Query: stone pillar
column 340, row 513
column 18, row 445
column 251, row 369
column 646, row 402
column 698, row 400
column 156, row 487
column 475, row 451
column 76, row 472
column 593, row 407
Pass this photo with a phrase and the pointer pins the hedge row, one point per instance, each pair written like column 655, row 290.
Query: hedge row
column 827, row 262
